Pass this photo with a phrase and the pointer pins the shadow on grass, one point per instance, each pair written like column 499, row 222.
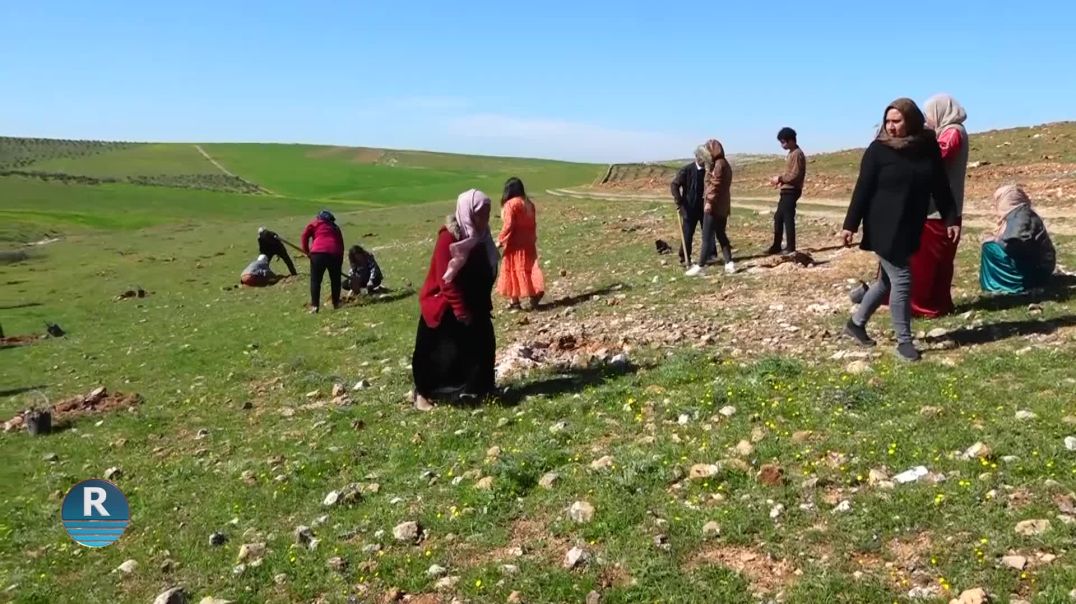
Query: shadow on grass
column 996, row 332
column 569, row 382
column 583, row 297
column 17, row 391
column 810, row 250
column 20, row 305
column 1060, row 289
column 382, row 298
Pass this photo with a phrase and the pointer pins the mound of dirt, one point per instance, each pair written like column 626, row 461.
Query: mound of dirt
column 99, row 400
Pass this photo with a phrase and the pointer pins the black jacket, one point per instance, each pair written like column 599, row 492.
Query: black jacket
column 688, row 188
column 892, row 198
column 1026, row 241
column 269, row 244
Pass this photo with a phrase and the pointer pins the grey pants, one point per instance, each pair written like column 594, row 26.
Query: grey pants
column 895, row 281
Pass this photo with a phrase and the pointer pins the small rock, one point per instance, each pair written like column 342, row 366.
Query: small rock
column 515, row 598
column 581, row 512
column 977, row 451
column 911, row 475
column 484, row 484
column 972, row 596
column 1017, row 562
column 928, row 592
column 801, row 437
column 711, row 529
column 175, row 595
column 728, row 411
column 251, row 552
column 1030, row 528
column 337, row 564
column 703, row 471
column 842, row 507
column 446, row 583
column 113, row 473
column 217, row 539
column 605, row 463
column 331, row 499
column 361, row 385
column 303, row 535
column 406, row 532
column 1070, row 443
column 509, row 569
column 777, row 510
column 1025, row 415
column 51, row 457
column 771, row 475
column 548, row 480
column 493, row 453
column 212, row 600
column 876, row 476
column 594, row 598
column 558, row 427
column 857, row 367
column 127, row 567
column 574, row 558
column 744, row 448
column 937, row 332
column 339, row 390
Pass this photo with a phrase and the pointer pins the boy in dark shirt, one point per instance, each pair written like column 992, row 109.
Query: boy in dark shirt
column 791, row 184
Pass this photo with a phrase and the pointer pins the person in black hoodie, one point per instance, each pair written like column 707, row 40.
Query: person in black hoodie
column 899, row 172
column 269, row 243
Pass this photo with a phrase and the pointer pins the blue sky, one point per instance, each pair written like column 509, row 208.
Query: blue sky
column 583, row 79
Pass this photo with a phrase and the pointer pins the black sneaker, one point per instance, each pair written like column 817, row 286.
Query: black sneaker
column 907, row 352
column 856, row 295
column 858, row 333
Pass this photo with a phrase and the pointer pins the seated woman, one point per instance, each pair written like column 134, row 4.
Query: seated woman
column 258, row 274
column 1019, row 255
column 455, row 347
column 365, row 273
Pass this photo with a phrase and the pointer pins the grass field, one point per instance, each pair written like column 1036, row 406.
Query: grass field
column 232, row 438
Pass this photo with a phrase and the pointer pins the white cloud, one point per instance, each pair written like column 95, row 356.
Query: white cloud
column 565, row 139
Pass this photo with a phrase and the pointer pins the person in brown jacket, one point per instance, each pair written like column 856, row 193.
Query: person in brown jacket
column 717, row 205
column 791, row 184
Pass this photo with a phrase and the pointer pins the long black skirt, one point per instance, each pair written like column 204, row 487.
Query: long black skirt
column 454, row 359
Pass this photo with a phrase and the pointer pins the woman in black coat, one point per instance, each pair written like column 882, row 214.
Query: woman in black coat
column 899, row 173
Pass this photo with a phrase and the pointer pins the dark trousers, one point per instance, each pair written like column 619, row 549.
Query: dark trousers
column 319, row 263
column 287, row 260
column 690, row 219
column 714, row 233
column 454, row 358
column 784, row 221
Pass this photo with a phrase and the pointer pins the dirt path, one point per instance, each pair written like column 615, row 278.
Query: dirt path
column 226, row 172
column 1059, row 221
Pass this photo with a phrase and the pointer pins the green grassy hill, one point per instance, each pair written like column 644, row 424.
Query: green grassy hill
column 51, row 186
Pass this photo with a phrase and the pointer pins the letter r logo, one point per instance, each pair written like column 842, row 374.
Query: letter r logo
column 93, row 498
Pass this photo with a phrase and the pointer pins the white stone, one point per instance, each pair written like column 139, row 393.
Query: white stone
column 912, row 475
column 581, row 512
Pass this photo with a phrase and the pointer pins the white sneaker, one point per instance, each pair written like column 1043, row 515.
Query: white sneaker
column 694, row 271
column 730, row 267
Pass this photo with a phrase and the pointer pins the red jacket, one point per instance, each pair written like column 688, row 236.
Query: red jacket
column 327, row 238
column 436, row 295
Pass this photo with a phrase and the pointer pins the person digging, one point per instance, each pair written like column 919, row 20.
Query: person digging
column 270, row 244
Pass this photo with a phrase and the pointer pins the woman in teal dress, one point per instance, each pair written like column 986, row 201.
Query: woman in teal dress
column 1019, row 255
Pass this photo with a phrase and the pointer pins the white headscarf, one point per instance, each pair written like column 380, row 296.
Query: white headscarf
column 944, row 111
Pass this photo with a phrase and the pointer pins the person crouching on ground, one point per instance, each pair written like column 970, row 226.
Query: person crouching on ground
column 898, row 174
column 365, row 272
column 258, row 273
column 1018, row 256
column 269, row 243
column 455, row 347
column 323, row 242
column 520, row 274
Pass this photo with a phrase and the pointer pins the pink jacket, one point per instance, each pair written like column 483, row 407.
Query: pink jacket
column 327, row 238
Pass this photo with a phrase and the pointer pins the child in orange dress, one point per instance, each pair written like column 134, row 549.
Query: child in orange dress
column 520, row 276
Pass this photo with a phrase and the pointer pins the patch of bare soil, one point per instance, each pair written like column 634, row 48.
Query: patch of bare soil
column 527, row 537
column 10, row 341
column 100, row 400
column 764, row 573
